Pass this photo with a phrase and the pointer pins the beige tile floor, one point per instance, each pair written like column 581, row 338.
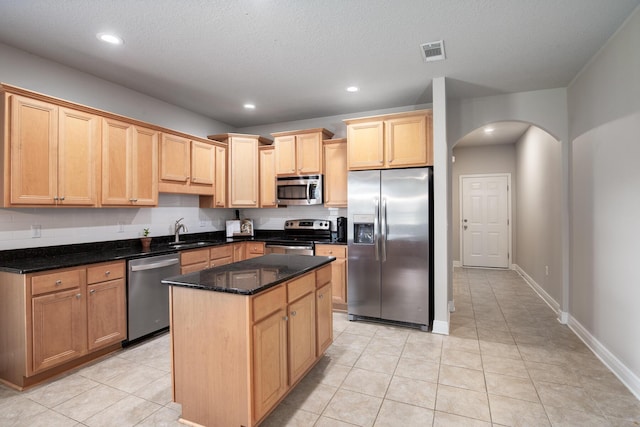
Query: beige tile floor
column 507, row 362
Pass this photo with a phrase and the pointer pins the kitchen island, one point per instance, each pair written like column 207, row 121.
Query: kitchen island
column 244, row 334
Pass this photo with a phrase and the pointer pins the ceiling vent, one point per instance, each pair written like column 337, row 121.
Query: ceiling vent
column 433, row 51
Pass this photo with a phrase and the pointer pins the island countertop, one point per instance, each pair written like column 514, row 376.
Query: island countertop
column 251, row 276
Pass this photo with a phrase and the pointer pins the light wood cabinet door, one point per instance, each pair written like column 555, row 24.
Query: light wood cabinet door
column 406, row 141
column 309, row 153
column 78, row 157
column 59, row 322
column 129, row 164
column 244, row 172
column 267, row 177
column 34, row 151
column 338, row 273
column 106, row 316
column 145, row 167
column 203, row 158
column 239, row 251
column 117, row 141
column 324, row 319
column 175, row 161
column 220, row 192
column 366, row 145
column 285, row 147
column 302, row 336
column 269, row 362
column 335, row 173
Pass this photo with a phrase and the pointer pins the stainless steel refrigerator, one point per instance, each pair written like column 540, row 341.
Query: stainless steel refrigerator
column 389, row 237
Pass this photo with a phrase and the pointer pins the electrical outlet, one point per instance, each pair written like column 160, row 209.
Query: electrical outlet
column 546, row 270
column 36, row 231
column 120, row 227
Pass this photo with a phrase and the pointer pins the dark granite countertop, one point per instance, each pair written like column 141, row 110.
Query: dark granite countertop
column 32, row 260
column 251, row 276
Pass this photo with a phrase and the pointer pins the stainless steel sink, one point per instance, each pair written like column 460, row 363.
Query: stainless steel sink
column 188, row 245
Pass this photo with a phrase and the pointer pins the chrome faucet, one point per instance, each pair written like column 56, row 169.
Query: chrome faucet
column 177, row 227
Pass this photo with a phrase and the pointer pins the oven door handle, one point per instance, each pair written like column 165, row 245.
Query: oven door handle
column 308, row 248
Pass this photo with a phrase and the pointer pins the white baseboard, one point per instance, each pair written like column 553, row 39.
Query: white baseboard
column 555, row 306
column 619, row 369
column 614, row 364
column 440, row 327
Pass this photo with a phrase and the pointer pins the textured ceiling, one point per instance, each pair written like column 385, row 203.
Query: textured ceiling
column 294, row 58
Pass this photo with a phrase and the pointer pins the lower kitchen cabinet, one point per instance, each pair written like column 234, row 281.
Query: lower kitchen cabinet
column 302, row 335
column 324, row 318
column 339, row 273
column 106, row 305
column 59, row 328
column 58, row 320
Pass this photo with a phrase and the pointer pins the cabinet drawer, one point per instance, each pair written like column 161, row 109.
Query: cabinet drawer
column 225, row 251
column 338, row 251
column 217, row 262
column 104, row 272
column 323, row 275
column 301, row 286
column 255, row 248
column 56, row 281
column 267, row 303
column 194, row 257
column 191, row 268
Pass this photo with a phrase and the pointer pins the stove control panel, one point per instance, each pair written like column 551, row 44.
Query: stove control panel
column 307, row 224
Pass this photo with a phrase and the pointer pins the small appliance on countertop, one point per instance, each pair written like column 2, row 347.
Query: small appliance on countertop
column 341, row 226
column 239, row 228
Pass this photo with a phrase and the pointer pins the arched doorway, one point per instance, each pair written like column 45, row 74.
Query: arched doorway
column 532, row 160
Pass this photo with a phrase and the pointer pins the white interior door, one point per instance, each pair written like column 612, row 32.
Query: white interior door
column 485, row 221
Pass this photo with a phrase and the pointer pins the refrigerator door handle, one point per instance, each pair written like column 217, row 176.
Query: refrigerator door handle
column 383, row 230
column 376, row 243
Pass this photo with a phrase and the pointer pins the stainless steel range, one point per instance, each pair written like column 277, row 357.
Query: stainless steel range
column 299, row 237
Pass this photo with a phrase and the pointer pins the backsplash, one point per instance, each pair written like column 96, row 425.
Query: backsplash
column 63, row 226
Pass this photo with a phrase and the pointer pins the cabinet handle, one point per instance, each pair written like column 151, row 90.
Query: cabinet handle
column 133, row 200
column 293, row 313
column 58, row 282
column 92, row 291
column 320, row 296
column 55, row 198
column 106, row 273
column 78, row 296
column 62, row 198
column 285, row 318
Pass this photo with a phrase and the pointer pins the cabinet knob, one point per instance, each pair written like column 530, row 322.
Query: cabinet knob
column 58, row 282
column 62, row 198
column 320, row 296
column 293, row 313
column 285, row 318
column 106, row 273
column 55, row 198
column 92, row 291
column 78, row 296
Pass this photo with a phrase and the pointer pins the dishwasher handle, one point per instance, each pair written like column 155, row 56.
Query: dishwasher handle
column 154, row 265
column 307, row 248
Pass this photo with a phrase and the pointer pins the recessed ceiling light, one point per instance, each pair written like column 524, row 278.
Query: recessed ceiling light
column 488, row 130
column 109, row 38
column 353, row 89
column 249, row 106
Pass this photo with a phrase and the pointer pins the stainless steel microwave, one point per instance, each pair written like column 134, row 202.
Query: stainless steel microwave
column 299, row 190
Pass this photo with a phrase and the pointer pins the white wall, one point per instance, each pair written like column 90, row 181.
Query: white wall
column 604, row 111
column 480, row 160
column 538, row 201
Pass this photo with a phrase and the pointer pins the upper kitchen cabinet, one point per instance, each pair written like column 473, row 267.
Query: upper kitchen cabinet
column 300, row 152
column 186, row 165
column 219, row 197
column 243, row 168
column 51, row 154
column 129, row 164
column 335, row 173
column 390, row 141
column 267, row 156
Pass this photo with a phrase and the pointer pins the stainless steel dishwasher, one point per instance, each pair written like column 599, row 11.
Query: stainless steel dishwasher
column 147, row 298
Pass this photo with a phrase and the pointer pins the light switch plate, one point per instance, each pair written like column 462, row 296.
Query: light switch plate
column 36, row 231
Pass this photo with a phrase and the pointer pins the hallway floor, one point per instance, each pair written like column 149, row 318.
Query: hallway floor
column 507, row 362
